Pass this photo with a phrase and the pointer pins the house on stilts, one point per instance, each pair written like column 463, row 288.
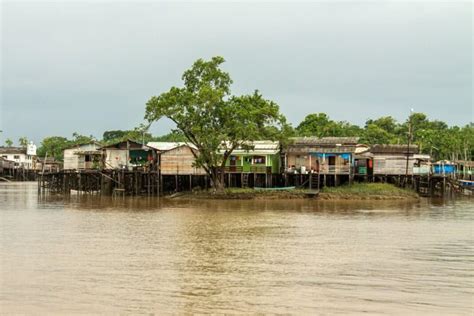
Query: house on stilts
column 313, row 162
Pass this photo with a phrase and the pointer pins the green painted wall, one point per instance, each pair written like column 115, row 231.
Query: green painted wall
column 245, row 161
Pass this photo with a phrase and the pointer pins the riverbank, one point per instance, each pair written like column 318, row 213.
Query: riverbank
column 358, row 191
column 368, row 191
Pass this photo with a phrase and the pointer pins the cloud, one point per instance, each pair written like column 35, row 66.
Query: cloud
column 89, row 67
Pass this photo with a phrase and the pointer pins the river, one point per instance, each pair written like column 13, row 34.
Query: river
column 87, row 254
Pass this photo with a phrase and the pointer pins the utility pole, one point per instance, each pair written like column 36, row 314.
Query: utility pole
column 408, row 145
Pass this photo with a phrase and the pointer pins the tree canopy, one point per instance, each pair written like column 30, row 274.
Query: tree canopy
column 320, row 125
column 23, row 141
column 53, row 146
column 8, row 142
column 211, row 118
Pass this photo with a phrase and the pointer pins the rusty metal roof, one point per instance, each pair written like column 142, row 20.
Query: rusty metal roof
column 322, row 145
column 394, row 149
column 12, row 150
column 316, row 141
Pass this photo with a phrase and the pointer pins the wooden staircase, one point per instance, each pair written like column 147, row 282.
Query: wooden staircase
column 245, row 180
column 313, row 181
column 424, row 186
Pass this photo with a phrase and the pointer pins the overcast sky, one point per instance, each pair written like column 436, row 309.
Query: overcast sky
column 89, row 67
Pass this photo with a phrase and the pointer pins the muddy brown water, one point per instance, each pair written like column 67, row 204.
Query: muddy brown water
column 87, row 254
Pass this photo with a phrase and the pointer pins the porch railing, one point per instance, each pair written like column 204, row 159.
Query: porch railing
column 233, row 169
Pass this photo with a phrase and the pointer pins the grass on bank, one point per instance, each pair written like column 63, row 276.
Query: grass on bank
column 369, row 190
column 356, row 191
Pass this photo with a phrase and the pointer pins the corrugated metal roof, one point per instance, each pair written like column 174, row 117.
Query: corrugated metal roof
column 132, row 145
column 262, row 147
column 164, row 146
column 393, row 149
column 318, row 149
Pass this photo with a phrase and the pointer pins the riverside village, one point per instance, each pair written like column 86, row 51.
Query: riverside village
column 243, row 147
column 305, row 164
column 237, row 157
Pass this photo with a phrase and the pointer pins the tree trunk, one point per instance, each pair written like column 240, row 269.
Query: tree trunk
column 217, row 180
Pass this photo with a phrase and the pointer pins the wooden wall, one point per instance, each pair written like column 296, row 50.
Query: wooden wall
column 72, row 161
column 390, row 164
column 179, row 161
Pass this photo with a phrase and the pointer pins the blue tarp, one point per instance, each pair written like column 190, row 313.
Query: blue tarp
column 440, row 169
column 325, row 155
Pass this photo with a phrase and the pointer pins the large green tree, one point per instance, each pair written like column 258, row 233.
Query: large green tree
column 53, row 146
column 138, row 134
column 211, row 118
column 320, row 125
column 78, row 139
column 174, row 136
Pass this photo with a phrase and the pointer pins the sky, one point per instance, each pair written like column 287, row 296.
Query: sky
column 88, row 67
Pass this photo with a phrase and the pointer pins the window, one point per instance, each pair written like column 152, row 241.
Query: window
column 5, row 157
column 16, row 157
column 259, row 160
column 87, row 158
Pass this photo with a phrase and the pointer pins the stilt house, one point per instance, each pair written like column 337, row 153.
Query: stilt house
column 327, row 155
column 256, row 165
column 128, row 155
column 422, row 165
column 177, row 158
column 363, row 162
column 392, row 159
column 444, row 168
column 83, row 157
column 49, row 164
column 465, row 169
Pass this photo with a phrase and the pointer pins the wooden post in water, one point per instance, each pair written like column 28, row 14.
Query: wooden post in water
column 161, row 183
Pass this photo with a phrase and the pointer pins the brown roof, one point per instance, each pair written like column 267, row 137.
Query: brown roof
column 393, row 149
column 316, row 141
column 12, row 150
column 322, row 145
column 131, row 145
column 50, row 160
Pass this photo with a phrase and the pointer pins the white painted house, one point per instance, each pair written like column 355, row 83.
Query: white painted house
column 83, row 156
column 23, row 157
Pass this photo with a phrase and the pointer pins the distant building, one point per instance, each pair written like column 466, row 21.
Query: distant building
column 6, row 166
column 49, row 164
column 23, row 157
column 83, row 156
column 465, row 169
